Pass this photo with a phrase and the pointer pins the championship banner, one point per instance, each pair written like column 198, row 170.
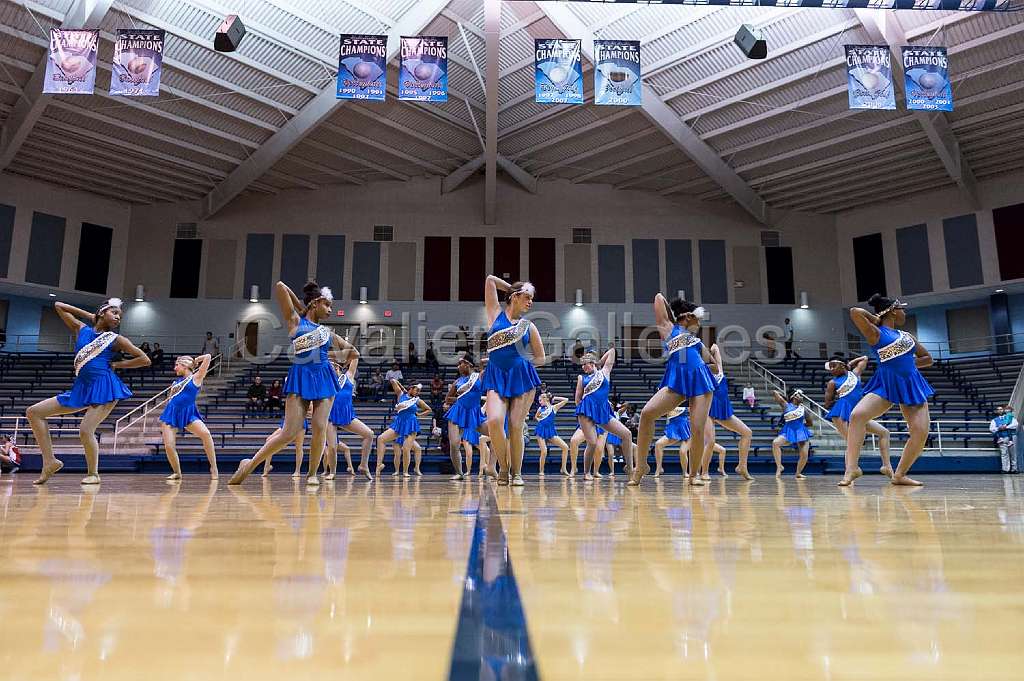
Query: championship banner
column 362, row 67
column 559, row 71
column 71, row 68
column 869, row 77
column 136, row 67
column 423, row 76
column 927, row 79
column 617, row 74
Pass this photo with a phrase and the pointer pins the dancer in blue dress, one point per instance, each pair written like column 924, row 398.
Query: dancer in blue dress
column 511, row 379
column 687, row 379
column 180, row 412
column 545, row 432
column 405, row 425
column 311, row 379
column 593, row 409
column 343, row 417
column 897, row 380
column 463, row 412
column 96, row 389
column 677, row 431
column 795, row 430
column 842, row 394
column 577, row 440
column 722, row 414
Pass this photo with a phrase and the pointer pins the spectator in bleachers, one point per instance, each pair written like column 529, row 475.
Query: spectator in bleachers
column 394, row 374
column 431, row 357
column 146, row 349
column 749, row 395
column 10, row 456
column 436, row 388
column 1004, row 427
column 275, row 397
column 257, row 395
column 414, row 359
column 157, row 357
column 210, row 346
column 578, row 350
column 376, row 384
column 790, row 353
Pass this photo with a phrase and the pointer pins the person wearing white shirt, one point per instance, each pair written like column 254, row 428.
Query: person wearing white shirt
column 749, row 396
column 1004, row 427
column 394, row 374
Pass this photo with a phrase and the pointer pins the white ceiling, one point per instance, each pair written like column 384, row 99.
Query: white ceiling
column 782, row 124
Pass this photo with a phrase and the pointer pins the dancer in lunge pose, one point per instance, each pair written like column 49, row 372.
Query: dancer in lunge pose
column 722, row 414
column 181, row 413
column 463, row 414
column 795, row 430
column 593, row 409
column 343, row 417
column 545, row 431
column 842, row 394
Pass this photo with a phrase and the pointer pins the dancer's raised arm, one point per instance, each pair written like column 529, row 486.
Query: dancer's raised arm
column 867, row 323
column 199, row 374
column 139, row 358
column 73, row 317
column 492, row 285
column 289, row 304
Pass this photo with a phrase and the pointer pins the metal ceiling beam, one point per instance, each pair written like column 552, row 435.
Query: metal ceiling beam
column 397, row 153
column 623, row 112
column 32, row 102
column 600, row 149
column 326, row 170
column 365, row 162
column 311, row 115
column 455, row 178
column 885, row 26
column 624, row 163
column 492, row 31
column 666, row 120
column 405, row 130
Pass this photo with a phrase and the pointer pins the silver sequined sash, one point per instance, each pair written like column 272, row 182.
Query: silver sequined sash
column 93, row 349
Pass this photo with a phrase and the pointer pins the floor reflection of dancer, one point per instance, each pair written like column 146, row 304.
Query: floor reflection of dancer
column 405, row 425
column 299, row 442
column 677, row 431
column 722, row 414
column 463, row 414
column 310, row 380
column 545, row 430
column 343, row 417
column 181, row 412
column 510, row 379
column 96, row 389
column 593, row 409
column 687, row 378
column 842, row 394
column 897, row 380
column 577, row 440
column 795, row 431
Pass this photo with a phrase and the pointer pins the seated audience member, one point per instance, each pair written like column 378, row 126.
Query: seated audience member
column 275, row 397
column 10, row 455
column 376, row 384
column 431, row 357
column 157, row 357
column 257, row 395
column 749, row 396
column 394, row 374
column 414, row 360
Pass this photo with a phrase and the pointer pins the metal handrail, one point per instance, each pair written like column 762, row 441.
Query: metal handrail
column 818, row 410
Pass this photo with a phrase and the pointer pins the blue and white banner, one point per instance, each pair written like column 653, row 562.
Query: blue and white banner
column 869, row 77
column 423, row 76
column 617, row 74
column 71, row 68
column 138, row 62
column 927, row 79
column 559, row 71
column 362, row 67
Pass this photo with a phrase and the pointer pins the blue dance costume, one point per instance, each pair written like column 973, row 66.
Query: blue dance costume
column 793, row 427
column 311, row 376
column 612, row 439
column 848, row 393
column 545, row 417
column 721, row 407
column 594, row 404
column 405, row 421
column 509, row 373
column 678, row 426
column 342, row 412
column 181, row 406
column 685, row 371
column 472, row 435
column 897, row 378
column 465, row 412
column 95, row 382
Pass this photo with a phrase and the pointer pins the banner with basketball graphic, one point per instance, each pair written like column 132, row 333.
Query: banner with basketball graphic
column 423, row 76
column 869, row 77
column 926, row 70
column 617, row 72
column 362, row 67
column 137, row 64
column 71, row 68
column 559, row 72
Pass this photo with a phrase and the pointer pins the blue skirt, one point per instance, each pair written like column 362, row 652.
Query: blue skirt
column 179, row 417
column 465, row 414
column 342, row 413
column 841, row 409
column 93, row 389
column 688, row 381
column 678, row 429
column 598, row 411
column 613, row 440
column 898, row 389
column 519, row 378
column 545, row 429
column 795, row 432
column 472, row 437
column 721, row 407
column 311, row 381
column 405, row 425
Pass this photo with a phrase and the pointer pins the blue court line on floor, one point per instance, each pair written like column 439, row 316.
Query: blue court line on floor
column 491, row 630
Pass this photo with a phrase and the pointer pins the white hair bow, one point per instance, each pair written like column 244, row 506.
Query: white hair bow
column 325, row 292
column 700, row 313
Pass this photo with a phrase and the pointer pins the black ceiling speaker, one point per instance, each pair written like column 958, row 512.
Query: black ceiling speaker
column 229, row 35
column 751, row 41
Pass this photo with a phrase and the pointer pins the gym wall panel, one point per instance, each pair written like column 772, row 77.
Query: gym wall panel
column 778, row 261
column 295, row 261
column 45, row 249
column 185, row 266
column 969, row 328
column 506, row 258
column 611, row 274
column 401, row 270
column 1008, row 222
column 6, row 236
column 259, row 264
column 915, row 265
column 93, row 258
column 646, row 269
column 366, row 269
column 678, row 268
column 543, row 263
column 869, row 266
column 472, row 267
column 220, row 268
column 963, row 253
column 437, row 265
column 576, row 268
column 330, row 263
column 746, row 267
column 714, row 285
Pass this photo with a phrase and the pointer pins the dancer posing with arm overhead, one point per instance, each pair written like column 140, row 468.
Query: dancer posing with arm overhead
column 181, row 412
column 545, row 432
column 96, row 389
column 343, row 417
column 795, row 430
column 723, row 415
column 687, row 378
column 842, row 394
column 510, row 379
column 897, row 380
column 405, row 425
column 593, row 409
column 463, row 414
